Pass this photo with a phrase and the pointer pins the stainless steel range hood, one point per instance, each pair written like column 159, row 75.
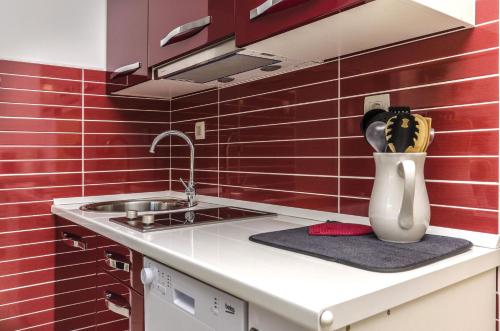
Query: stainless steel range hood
column 220, row 65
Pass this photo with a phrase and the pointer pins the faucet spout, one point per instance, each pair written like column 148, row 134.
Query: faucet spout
column 190, row 186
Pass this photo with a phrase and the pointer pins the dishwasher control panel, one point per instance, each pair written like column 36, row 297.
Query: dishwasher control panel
column 185, row 303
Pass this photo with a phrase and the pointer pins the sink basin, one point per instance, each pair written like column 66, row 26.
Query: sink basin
column 137, row 205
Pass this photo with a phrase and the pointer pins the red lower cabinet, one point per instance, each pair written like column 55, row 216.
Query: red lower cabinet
column 75, row 278
column 118, row 306
column 97, row 284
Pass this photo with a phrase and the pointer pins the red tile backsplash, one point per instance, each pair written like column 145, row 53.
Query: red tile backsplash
column 449, row 44
column 57, row 141
column 294, row 139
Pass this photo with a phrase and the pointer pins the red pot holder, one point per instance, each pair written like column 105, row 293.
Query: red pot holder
column 339, row 229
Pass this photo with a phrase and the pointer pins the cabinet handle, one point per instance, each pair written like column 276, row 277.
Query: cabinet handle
column 185, row 31
column 126, row 70
column 117, row 304
column 269, row 6
column 116, row 261
column 72, row 240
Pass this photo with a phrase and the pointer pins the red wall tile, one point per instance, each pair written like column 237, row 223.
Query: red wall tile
column 486, row 10
column 40, row 84
column 39, row 111
column 33, row 69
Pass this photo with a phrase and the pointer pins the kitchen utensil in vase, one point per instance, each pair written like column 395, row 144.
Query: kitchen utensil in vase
column 375, row 135
column 399, row 206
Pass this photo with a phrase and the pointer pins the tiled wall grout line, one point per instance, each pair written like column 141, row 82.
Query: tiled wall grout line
column 44, row 310
column 339, row 207
column 2, row 219
column 170, row 146
column 498, row 227
column 38, row 91
column 53, row 322
column 43, row 269
column 83, row 134
column 218, row 143
column 42, row 297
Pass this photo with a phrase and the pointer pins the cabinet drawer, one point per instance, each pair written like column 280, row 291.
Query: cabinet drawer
column 120, row 261
column 261, row 19
column 178, row 27
column 118, row 306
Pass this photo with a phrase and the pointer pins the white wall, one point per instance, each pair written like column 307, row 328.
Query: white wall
column 62, row 32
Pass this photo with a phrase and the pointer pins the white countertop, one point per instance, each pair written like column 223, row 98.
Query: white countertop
column 292, row 285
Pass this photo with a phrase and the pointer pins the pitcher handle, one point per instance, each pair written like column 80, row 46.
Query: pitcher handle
column 406, row 169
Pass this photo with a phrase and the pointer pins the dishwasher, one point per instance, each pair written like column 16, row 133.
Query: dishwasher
column 174, row 301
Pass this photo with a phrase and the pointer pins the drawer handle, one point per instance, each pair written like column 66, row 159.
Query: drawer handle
column 269, row 6
column 185, row 31
column 126, row 70
column 72, row 240
column 116, row 261
column 117, row 304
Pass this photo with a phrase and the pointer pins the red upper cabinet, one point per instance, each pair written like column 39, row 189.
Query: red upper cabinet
column 178, row 27
column 261, row 19
column 127, row 49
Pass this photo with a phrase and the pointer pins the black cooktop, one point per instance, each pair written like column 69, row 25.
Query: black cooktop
column 164, row 221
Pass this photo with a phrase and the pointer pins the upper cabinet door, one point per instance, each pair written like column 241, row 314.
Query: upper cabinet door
column 261, row 19
column 178, row 27
column 127, row 48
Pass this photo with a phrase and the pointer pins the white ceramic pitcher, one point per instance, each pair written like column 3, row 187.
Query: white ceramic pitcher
column 399, row 206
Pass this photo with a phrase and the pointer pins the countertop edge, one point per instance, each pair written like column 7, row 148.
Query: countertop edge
column 402, row 293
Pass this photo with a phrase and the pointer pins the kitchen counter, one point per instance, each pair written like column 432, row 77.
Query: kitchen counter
column 292, row 285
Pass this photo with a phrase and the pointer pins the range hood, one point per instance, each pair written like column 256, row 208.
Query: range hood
column 223, row 64
column 371, row 25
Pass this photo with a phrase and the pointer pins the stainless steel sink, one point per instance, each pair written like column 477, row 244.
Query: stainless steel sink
column 137, row 205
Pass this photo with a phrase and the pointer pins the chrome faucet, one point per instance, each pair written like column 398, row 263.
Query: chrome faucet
column 190, row 186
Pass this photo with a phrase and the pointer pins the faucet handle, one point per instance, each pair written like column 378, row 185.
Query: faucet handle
column 186, row 186
column 183, row 183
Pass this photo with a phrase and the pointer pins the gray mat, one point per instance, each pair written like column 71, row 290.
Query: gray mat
column 365, row 252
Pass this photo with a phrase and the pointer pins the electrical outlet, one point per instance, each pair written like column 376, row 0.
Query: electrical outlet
column 381, row 101
column 199, row 130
